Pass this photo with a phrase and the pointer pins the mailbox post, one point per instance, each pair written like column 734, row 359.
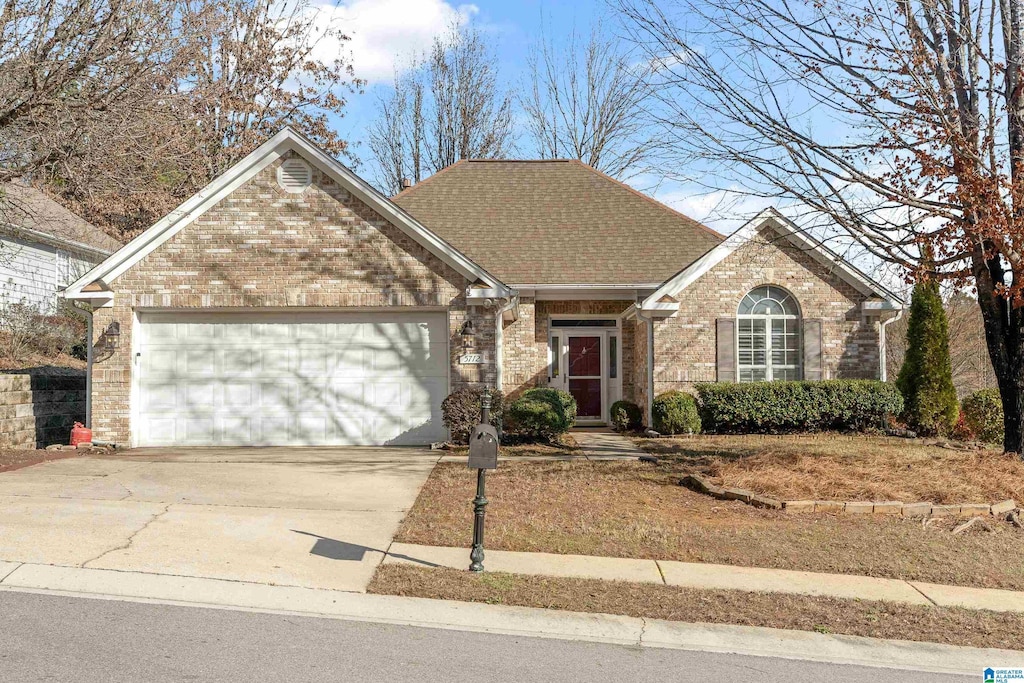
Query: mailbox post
column 483, row 456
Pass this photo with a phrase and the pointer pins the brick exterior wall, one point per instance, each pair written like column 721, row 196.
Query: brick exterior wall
column 685, row 345
column 39, row 410
column 525, row 353
column 264, row 248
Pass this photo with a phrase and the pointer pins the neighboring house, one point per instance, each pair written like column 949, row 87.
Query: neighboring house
column 43, row 247
column 291, row 303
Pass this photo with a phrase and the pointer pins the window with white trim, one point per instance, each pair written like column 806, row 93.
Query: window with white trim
column 768, row 336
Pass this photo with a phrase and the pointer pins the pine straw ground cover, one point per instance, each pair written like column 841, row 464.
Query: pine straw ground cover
column 840, row 467
column 954, row 626
column 634, row 509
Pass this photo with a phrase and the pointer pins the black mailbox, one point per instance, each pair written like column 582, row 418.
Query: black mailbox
column 483, row 447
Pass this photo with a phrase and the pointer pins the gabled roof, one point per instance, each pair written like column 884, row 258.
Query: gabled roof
column 556, row 222
column 31, row 214
column 283, row 142
column 771, row 218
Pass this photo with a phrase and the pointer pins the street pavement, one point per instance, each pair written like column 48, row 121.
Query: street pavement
column 51, row 637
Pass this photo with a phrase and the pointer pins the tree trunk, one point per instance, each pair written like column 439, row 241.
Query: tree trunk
column 1013, row 414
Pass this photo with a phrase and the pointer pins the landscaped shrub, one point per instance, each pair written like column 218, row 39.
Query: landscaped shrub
column 541, row 414
column 926, row 377
column 983, row 414
column 675, row 412
column 839, row 404
column 626, row 416
column 460, row 412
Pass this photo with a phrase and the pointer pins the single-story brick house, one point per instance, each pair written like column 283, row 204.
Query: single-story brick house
column 289, row 302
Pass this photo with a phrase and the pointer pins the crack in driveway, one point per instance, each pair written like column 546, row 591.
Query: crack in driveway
column 128, row 542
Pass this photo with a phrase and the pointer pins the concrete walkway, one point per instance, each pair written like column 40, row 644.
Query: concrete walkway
column 714, row 576
column 602, row 444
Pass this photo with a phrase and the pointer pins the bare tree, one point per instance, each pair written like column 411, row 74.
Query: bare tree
column 65, row 65
column 589, row 101
column 445, row 106
column 250, row 68
column 899, row 123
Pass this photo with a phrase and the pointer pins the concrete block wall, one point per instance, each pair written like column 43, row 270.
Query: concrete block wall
column 39, row 410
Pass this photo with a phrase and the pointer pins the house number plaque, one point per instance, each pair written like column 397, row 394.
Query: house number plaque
column 471, row 359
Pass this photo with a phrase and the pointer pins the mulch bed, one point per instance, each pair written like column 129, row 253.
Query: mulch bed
column 953, row 626
column 15, row 459
column 846, row 467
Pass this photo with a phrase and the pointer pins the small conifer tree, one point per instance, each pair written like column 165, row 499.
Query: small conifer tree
column 926, row 377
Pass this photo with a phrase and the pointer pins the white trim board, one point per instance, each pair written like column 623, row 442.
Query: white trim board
column 789, row 230
column 271, row 150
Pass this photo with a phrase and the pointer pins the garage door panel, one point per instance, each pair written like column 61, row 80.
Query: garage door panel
column 291, row 379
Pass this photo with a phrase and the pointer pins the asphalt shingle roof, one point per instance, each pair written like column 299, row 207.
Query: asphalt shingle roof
column 555, row 222
column 22, row 206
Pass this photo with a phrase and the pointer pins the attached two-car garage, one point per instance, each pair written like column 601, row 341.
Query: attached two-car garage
column 290, row 378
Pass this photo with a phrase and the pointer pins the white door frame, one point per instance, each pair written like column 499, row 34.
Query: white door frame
column 609, row 394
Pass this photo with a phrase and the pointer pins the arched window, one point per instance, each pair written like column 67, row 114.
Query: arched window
column 768, row 326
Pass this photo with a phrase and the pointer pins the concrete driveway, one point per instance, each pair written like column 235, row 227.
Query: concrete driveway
column 312, row 517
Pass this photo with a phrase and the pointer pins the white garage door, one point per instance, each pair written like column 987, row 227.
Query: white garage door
column 276, row 379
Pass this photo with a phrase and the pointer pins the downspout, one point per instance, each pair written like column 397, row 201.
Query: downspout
column 883, row 372
column 649, row 324
column 499, row 341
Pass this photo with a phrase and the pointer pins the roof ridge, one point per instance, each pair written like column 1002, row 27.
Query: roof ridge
column 649, row 199
column 407, row 191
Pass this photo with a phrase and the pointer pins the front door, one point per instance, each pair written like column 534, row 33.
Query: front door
column 583, row 371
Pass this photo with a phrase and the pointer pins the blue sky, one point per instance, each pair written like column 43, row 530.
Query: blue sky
column 385, row 31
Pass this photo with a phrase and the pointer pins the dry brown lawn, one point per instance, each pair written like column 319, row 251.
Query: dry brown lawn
column 826, row 615
column 634, row 509
column 840, row 467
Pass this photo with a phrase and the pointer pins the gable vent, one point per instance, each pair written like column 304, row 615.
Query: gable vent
column 294, row 175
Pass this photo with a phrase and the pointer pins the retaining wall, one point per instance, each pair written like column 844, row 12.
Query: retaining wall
column 39, row 410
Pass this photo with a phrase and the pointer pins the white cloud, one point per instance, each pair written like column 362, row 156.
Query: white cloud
column 384, row 33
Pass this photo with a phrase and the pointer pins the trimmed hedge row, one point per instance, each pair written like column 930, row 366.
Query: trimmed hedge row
column 840, row 404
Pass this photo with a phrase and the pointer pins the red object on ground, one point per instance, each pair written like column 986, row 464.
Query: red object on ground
column 80, row 434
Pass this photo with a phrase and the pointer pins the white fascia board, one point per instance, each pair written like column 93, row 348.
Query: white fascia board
column 643, row 285
column 244, row 170
column 791, row 232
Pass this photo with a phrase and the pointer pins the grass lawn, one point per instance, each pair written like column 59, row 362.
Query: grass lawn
column 14, row 458
column 840, row 467
column 634, row 509
column 825, row 615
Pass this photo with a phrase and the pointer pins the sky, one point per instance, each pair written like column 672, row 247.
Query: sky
column 385, row 32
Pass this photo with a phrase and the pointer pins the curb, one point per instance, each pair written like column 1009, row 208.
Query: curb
column 517, row 621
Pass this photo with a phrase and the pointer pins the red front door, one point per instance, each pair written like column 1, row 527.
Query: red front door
column 584, row 374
